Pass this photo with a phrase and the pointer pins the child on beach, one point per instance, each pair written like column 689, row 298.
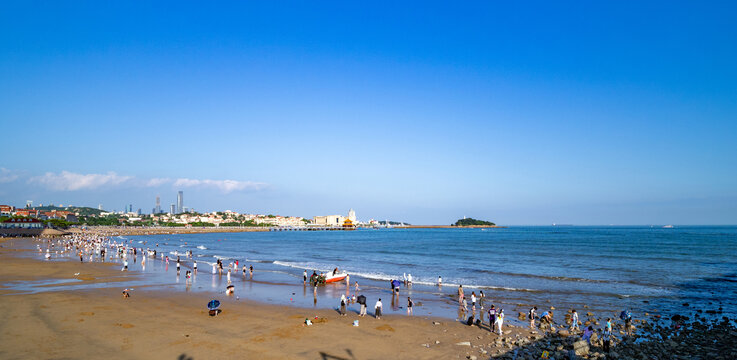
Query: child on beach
column 342, row 305
column 473, row 301
column 532, row 314
column 377, row 308
column 410, row 303
column 194, row 265
column 574, row 320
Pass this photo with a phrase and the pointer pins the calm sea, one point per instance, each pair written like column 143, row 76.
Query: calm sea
column 605, row 268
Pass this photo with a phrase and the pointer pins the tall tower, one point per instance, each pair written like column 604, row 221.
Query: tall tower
column 352, row 215
column 172, row 210
column 158, row 205
column 180, row 202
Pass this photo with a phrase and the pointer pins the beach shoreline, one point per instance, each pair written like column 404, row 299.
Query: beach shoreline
column 161, row 323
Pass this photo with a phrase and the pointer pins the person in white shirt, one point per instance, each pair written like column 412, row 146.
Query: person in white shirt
column 499, row 321
column 377, row 308
column 574, row 320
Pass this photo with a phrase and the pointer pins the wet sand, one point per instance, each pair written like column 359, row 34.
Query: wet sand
column 157, row 323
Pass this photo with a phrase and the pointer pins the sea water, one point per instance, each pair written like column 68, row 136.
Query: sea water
column 605, row 268
column 600, row 269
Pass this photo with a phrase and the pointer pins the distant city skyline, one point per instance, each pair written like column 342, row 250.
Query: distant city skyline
column 517, row 113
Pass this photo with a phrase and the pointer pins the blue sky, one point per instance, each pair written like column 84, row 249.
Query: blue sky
column 528, row 113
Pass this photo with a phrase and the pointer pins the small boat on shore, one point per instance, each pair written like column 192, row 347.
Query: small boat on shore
column 335, row 277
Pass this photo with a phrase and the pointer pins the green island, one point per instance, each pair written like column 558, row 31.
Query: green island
column 473, row 222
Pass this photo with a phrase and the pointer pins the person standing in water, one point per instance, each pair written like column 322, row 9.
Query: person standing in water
column 250, row 270
column 304, row 277
column 195, row 267
column 460, row 294
column 440, row 281
column 410, row 304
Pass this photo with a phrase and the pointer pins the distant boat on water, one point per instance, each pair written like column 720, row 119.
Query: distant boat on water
column 668, row 227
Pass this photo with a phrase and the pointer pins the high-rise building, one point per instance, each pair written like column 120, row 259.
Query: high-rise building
column 138, row 212
column 158, row 205
column 130, row 208
column 99, row 207
column 172, row 210
column 180, row 202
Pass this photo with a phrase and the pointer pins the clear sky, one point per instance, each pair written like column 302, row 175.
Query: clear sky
column 517, row 112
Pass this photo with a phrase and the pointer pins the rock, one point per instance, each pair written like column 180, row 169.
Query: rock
column 437, row 342
column 521, row 316
column 464, row 343
column 581, row 348
column 552, row 308
column 589, row 314
column 564, row 333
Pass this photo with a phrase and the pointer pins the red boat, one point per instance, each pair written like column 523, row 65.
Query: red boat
column 331, row 278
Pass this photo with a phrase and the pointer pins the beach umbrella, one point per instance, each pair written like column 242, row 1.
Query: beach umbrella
column 213, row 304
column 361, row 299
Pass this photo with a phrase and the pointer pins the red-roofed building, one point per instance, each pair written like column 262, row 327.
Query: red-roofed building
column 26, row 212
column 6, row 210
column 22, row 224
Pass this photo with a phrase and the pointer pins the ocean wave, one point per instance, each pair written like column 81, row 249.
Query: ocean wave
column 201, row 247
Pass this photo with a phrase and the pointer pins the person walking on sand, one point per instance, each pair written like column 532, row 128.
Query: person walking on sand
column 343, row 301
column 473, row 301
column 532, row 314
column 460, row 294
column 410, row 304
column 492, row 317
column 574, row 320
column 362, row 301
column 377, row 308
column 500, row 321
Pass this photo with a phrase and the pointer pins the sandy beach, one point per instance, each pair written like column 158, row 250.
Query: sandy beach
column 153, row 323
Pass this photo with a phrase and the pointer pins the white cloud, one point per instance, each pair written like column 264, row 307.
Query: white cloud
column 7, row 176
column 157, row 182
column 69, row 181
column 225, row 186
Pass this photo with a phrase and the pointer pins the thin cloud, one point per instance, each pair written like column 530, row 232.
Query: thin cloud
column 225, row 186
column 157, row 182
column 7, row 176
column 69, row 181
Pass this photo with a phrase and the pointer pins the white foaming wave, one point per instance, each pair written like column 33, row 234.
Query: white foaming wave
column 221, row 257
column 260, row 261
column 201, row 247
